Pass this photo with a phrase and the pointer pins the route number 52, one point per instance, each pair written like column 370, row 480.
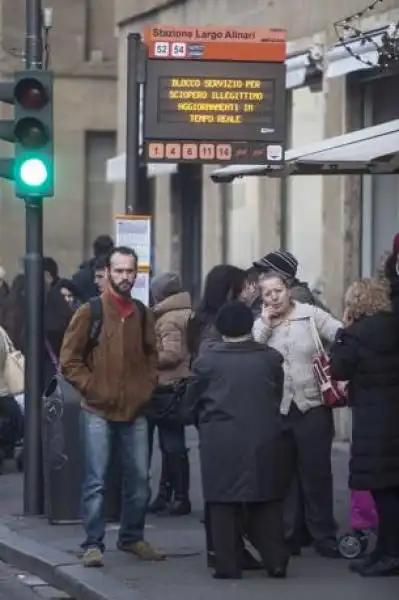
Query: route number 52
column 161, row 49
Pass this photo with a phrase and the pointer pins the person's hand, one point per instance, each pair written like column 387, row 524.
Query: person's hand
column 346, row 319
column 268, row 315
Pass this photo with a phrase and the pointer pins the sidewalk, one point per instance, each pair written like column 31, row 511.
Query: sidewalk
column 183, row 574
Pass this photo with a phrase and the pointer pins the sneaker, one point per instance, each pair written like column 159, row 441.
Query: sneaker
column 142, row 549
column 93, row 557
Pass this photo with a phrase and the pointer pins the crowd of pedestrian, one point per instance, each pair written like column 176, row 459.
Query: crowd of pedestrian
column 257, row 366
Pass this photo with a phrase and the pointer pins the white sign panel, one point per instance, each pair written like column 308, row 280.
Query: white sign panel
column 135, row 233
column 141, row 290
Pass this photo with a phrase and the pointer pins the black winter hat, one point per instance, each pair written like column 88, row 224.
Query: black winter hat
column 234, row 319
column 281, row 261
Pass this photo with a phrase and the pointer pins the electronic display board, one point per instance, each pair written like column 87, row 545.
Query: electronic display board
column 212, row 108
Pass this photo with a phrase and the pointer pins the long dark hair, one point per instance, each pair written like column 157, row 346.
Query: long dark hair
column 223, row 283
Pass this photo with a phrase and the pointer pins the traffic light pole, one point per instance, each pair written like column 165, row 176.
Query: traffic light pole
column 34, row 351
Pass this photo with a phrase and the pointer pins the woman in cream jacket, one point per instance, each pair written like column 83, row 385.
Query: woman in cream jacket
column 289, row 327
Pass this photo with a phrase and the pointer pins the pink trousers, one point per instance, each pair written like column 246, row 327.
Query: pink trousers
column 363, row 514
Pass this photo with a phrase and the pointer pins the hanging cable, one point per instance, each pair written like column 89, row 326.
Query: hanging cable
column 387, row 49
column 47, row 26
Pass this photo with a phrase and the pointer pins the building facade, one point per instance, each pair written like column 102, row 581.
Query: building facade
column 338, row 226
column 83, row 56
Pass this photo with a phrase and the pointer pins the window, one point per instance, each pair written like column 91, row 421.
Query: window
column 99, row 147
column 380, row 214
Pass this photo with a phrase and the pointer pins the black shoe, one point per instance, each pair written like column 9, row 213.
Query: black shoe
column 249, row 562
column 365, row 561
column 161, row 502
column 385, row 566
column 278, row 573
column 294, row 547
column 180, row 477
column 328, row 548
column 179, row 509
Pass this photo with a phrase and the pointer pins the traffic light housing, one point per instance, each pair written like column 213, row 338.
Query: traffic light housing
column 31, row 131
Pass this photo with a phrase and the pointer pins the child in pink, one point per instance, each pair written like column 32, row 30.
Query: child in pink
column 363, row 515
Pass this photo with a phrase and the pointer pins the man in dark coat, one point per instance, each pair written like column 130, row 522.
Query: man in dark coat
column 234, row 398
column 84, row 279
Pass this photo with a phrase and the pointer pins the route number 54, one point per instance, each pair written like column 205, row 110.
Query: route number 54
column 179, row 50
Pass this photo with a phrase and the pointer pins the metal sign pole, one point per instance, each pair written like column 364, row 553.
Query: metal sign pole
column 133, row 123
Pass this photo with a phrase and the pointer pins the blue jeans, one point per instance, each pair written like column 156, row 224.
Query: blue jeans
column 132, row 437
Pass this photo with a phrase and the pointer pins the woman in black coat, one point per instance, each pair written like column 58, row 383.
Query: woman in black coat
column 366, row 354
column 57, row 315
column 234, row 398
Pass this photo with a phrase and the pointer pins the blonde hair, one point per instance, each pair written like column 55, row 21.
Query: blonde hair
column 366, row 297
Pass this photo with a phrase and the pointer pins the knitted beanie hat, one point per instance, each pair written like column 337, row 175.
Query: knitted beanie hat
column 281, row 261
column 234, row 319
column 165, row 285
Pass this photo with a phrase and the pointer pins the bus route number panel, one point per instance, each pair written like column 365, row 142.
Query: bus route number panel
column 215, row 112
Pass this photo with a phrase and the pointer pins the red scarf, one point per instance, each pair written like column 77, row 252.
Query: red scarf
column 124, row 306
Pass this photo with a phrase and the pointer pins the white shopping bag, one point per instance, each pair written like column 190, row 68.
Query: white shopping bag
column 20, row 399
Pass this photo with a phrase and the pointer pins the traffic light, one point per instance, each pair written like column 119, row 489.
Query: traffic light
column 31, row 131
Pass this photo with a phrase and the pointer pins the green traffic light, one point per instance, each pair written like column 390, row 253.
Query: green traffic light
column 33, row 172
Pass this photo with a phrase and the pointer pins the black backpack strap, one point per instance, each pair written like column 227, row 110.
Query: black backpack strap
column 143, row 322
column 96, row 323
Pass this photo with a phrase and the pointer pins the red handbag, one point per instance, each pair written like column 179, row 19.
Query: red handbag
column 332, row 392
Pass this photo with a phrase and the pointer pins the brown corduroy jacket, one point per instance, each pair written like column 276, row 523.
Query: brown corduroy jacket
column 117, row 379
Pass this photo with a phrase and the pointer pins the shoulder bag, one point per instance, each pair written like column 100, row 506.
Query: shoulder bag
column 331, row 392
column 14, row 369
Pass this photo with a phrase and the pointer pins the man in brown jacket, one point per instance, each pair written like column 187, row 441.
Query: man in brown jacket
column 116, row 379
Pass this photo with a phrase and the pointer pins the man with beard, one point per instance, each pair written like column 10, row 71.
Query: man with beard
column 116, row 379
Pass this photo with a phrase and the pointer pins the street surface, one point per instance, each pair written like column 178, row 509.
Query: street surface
column 11, row 588
column 184, row 575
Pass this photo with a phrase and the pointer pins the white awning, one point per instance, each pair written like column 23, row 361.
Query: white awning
column 116, row 169
column 341, row 59
column 373, row 150
column 296, row 68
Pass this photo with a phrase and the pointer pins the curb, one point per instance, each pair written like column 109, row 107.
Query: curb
column 59, row 569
